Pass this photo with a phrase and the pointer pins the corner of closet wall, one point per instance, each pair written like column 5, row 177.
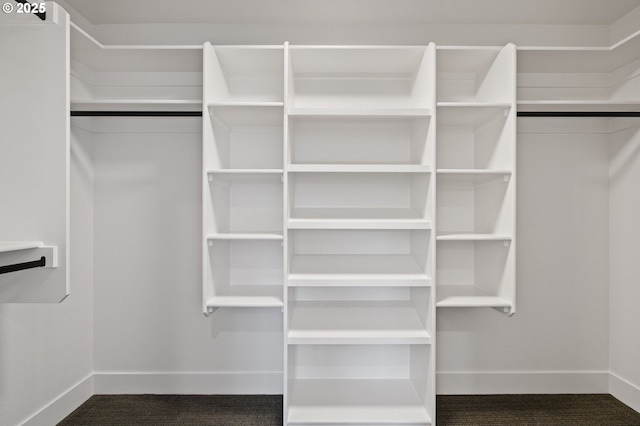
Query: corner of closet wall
column 360, row 304
column 45, row 222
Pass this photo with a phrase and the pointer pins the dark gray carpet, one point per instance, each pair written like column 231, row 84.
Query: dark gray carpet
column 556, row 410
column 178, row 410
column 266, row 410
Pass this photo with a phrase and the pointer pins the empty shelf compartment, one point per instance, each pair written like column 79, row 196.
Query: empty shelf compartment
column 375, row 401
column 356, row 322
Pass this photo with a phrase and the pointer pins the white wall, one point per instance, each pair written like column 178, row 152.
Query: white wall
column 558, row 339
column 46, row 350
column 150, row 334
column 624, row 291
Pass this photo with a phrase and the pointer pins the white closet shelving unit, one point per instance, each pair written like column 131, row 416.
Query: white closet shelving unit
column 319, row 196
column 476, row 152
column 243, row 115
column 360, row 310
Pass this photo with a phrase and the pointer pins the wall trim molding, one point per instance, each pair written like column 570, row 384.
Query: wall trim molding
column 63, row 405
column 184, row 383
column 521, row 382
column 625, row 391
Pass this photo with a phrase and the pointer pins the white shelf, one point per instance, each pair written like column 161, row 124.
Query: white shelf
column 246, row 174
column 468, row 296
column 356, row 218
column 359, row 168
column 358, row 224
column 359, row 280
column 360, row 112
column 472, row 175
column 245, row 104
column 356, row 267
column 472, row 237
column 248, row 296
column 245, row 236
column 9, row 246
column 469, row 113
column 374, row 401
column 193, row 105
column 359, row 322
column 552, row 105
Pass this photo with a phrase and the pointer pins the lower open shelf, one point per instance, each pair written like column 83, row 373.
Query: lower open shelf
column 248, row 296
column 460, row 296
column 353, row 401
column 356, row 322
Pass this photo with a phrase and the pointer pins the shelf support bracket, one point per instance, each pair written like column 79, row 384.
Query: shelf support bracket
column 508, row 311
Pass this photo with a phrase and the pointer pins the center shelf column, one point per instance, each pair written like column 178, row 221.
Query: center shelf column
column 360, row 244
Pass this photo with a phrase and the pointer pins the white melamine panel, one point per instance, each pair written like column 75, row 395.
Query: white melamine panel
column 476, row 74
column 359, row 140
column 244, row 137
column 244, row 73
column 363, row 77
column 35, row 155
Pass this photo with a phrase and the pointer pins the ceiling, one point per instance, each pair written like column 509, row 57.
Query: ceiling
column 354, row 12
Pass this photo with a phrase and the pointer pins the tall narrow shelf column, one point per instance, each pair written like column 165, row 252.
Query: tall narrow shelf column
column 360, row 308
column 476, row 159
column 242, row 173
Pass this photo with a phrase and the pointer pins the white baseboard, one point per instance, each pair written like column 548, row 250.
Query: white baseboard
column 521, row 382
column 205, row 383
column 625, row 391
column 63, row 405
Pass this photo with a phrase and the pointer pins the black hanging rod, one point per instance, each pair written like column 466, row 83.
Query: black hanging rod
column 41, row 15
column 22, row 266
column 578, row 113
column 136, row 113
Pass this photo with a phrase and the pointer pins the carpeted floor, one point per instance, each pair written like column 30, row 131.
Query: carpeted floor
column 555, row 410
column 178, row 410
column 266, row 410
